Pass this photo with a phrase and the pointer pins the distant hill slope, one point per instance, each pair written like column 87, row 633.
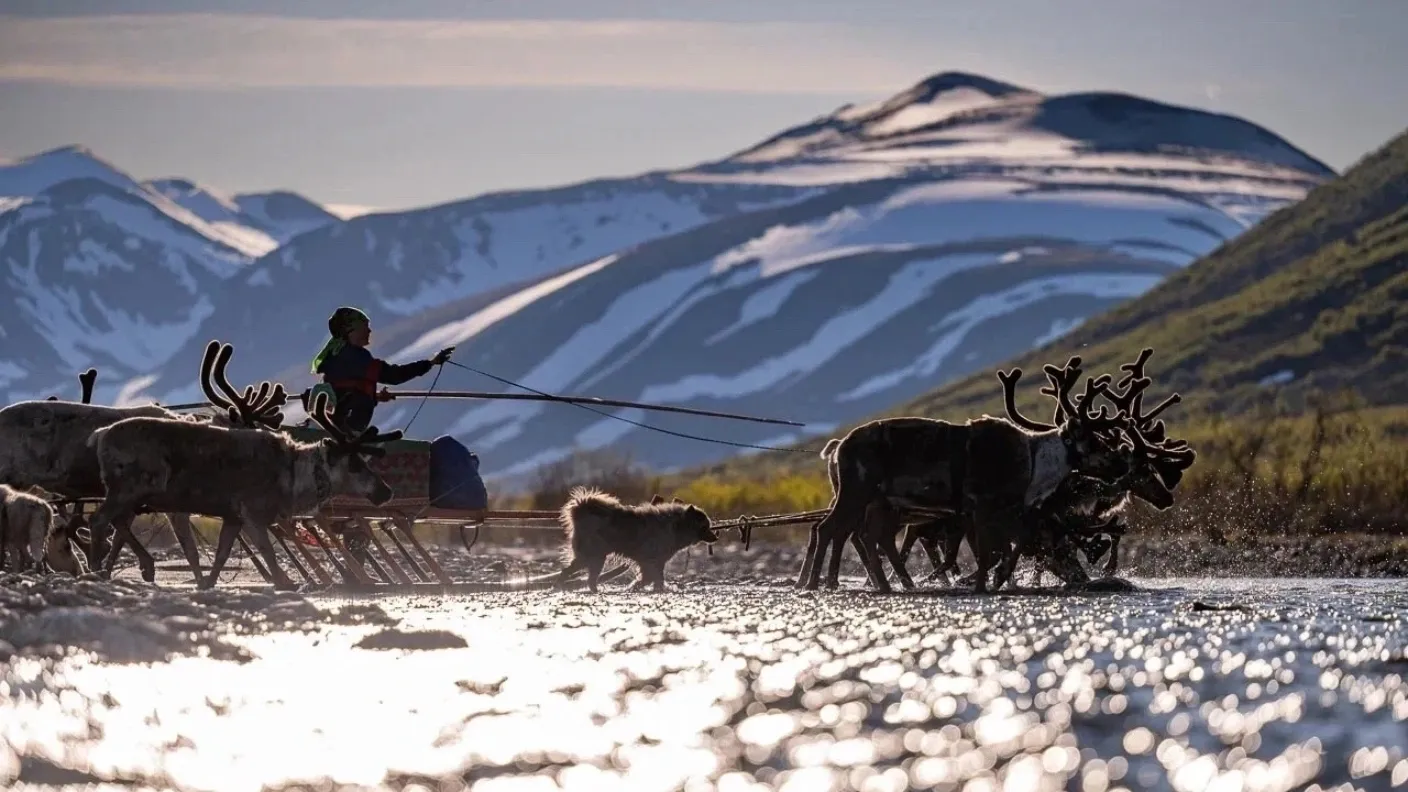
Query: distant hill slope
column 1313, row 299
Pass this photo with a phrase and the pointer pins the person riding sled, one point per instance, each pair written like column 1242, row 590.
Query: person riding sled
column 353, row 373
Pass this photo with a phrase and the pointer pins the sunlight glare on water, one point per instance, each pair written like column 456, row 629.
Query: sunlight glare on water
column 742, row 688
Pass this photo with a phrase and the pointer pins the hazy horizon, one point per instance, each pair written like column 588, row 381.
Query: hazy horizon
column 394, row 107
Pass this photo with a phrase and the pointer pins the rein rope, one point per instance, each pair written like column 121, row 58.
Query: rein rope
column 615, row 417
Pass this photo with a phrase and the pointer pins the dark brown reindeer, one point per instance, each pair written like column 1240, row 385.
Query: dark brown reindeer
column 1084, row 513
column 988, row 469
column 248, row 478
column 1095, row 513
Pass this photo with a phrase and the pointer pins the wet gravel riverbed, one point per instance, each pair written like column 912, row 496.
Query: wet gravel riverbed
column 1186, row 684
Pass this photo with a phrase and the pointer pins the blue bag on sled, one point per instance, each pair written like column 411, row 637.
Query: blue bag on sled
column 454, row 476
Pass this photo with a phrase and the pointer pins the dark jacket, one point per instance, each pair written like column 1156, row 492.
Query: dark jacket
column 353, row 374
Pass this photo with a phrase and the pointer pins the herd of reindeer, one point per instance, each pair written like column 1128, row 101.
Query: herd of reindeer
column 1008, row 487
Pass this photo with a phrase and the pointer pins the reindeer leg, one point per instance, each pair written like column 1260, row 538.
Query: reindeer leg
column 833, row 564
column 99, row 543
column 880, row 529
column 981, row 538
column 823, row 530
column 869, row 558
column 1113, row 561
column 259, row 532
column 811, row 560
column 1009, row 564
column 930, row 546
column 911, row 535
column 103, row 519
column 229, row 529
column 145, row 562
column 186, row 536
column 888, row 547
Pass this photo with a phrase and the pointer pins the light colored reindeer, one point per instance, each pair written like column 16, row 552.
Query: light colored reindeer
column 43, row 444
column 248, row 478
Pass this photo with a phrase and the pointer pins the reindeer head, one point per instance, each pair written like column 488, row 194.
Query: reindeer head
column 1156, row 462
column 1091, row 439
column 60, row 554
column 347, row 467
column 252, row 409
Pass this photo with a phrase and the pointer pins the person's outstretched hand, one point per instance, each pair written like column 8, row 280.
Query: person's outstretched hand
column 442, row 356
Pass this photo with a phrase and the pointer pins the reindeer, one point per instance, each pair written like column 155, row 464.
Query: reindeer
column 248, row 478
column 1084, row 514
column 43, row 445
column 1091, row 512
column 252, row 410
column 30, row 529
column 987, row 468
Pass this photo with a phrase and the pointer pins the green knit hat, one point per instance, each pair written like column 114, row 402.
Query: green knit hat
column 343, row 321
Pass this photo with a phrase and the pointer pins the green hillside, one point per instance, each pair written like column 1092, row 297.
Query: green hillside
column 1313, row 299
column 1312, row 302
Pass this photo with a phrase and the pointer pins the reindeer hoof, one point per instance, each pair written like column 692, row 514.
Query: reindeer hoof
column 149, row 574
column 206, row 584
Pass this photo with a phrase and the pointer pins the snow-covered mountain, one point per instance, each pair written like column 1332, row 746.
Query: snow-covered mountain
column 837, row 268
column 276, row 216
column 97, row 268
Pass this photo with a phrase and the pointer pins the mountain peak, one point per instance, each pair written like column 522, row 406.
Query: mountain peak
column 956, row 80
column 36, row 173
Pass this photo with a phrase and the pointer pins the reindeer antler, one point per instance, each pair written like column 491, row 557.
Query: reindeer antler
column 1131, row 400
column 1072, row 369
column 85, row 384
column 86, row 381
column 1009, row 395
column 251, row 408
column 365, row 443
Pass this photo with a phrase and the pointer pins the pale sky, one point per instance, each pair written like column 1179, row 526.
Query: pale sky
column 413, row 102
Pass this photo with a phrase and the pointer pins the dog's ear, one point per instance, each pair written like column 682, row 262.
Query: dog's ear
column 656, row 500
column 677, row 500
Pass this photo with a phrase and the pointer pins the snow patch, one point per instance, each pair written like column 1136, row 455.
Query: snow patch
column 592, row 343
column 957, row 325
column 763, row 304
column 455, row 333
column 922, row 114
column 1279, row 378
column 1059, row 327
column 910, row 285
column 960, row 211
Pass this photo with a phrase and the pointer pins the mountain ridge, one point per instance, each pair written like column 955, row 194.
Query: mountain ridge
column 835, row 281
column 1305, row 304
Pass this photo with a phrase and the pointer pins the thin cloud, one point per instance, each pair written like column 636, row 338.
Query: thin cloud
column 247, row 51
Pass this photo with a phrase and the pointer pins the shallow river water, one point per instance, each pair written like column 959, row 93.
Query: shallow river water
column 1186, row 685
